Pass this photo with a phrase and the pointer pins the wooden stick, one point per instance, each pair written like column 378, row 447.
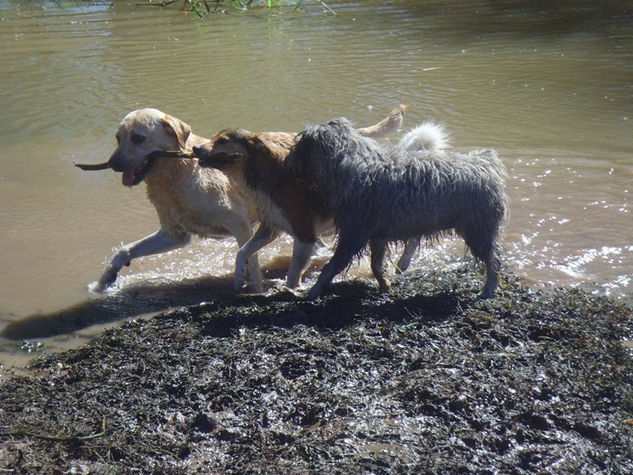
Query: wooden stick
column 156, row 154
column 87, row 166
column 170, row 153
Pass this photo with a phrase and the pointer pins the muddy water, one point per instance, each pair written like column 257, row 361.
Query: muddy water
column 550, row 88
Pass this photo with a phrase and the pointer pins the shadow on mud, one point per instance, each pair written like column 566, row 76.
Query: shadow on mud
column 214, row 292
column 350, row 302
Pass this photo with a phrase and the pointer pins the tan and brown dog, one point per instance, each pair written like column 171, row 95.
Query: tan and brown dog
column 254, row 161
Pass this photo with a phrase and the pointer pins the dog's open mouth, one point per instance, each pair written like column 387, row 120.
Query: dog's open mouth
column 136, row 175
column 133, row 176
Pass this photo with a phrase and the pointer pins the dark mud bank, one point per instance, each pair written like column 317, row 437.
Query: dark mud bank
column 424, row 379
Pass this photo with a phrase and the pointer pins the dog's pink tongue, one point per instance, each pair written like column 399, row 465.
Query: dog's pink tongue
column 128, row 177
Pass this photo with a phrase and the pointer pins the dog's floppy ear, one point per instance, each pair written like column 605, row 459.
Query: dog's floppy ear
column 256, row 145
column 177, row 128
column 266, row 148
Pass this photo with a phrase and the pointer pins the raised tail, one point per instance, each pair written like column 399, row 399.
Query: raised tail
column 386, row 127
column 428, row 137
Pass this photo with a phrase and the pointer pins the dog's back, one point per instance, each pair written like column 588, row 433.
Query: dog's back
column 429, row 193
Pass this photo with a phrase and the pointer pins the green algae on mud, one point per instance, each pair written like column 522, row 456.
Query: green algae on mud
column 422, row 379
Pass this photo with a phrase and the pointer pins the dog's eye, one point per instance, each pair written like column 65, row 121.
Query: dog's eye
column 138, row 139
column 222, row 141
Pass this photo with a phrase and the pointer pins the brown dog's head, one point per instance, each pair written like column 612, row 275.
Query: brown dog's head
column 140, row 133
column 226, row 149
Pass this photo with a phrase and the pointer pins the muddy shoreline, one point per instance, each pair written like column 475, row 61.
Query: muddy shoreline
column 423, row 379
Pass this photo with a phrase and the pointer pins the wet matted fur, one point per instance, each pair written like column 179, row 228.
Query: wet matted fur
column 381, row 195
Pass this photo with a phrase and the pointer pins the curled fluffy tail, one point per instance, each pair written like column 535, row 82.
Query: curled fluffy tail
column 427, row 137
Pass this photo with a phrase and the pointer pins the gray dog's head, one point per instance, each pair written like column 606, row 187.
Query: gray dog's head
column 140, row 133
column 329, row 156
column 315, row 145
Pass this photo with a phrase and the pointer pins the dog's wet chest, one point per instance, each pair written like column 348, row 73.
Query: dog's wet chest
column 205, row 228
column 287, row 207
column 268, row 211
column 195, row 218
column 192, row 205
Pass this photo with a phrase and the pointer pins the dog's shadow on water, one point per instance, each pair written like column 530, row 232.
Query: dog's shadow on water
column 131, row 301
column 347, row 301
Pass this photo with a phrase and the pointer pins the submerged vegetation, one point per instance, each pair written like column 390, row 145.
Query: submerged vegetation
column 205, row 7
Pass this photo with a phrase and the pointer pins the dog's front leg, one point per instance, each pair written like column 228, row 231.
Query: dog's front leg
column 155, row 243
column 262, row 236
column 346, row 249
column 301, row 254
column 492, row 277
column 410, row 248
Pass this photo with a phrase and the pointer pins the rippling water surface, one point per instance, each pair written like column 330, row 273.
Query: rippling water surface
column 549, row 86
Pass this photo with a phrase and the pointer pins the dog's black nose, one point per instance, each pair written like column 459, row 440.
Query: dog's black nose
column 202, row 154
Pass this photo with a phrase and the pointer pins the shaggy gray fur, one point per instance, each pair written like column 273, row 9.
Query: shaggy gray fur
column 380, row 195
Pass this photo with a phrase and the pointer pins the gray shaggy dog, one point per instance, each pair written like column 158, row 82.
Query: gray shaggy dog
column 381, row 195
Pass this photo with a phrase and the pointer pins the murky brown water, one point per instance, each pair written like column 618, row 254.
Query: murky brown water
column 550, row 87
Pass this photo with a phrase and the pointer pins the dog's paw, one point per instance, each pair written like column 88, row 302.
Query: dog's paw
column 96, row 287
column 384, row 286
column 486, row 295
column 256, row 287
column 297, row 293
column 313, row 293
column 238, row 283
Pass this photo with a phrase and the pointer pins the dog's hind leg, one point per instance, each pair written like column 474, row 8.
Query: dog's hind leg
column 493, row 267
column 160, row 241
column 378, row 248
column 301, row 253
column 410, row 249
column 247, row 254
column 492, row 279
column 483, row 246
column 346, row 248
